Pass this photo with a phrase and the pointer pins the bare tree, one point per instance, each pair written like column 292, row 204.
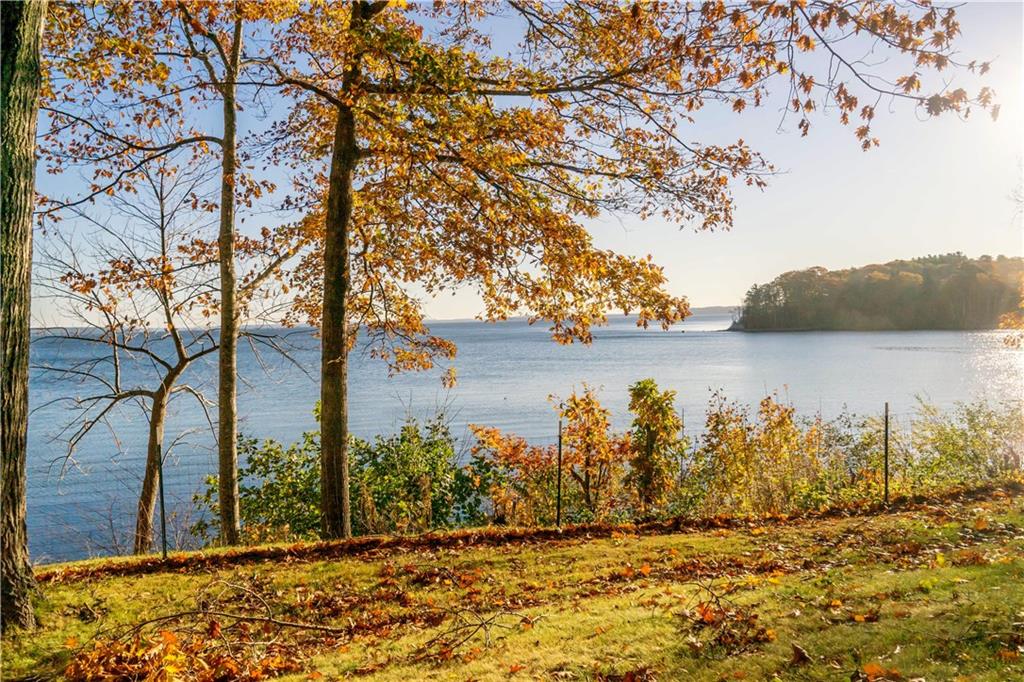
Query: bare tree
column 141, row 292
column 143, row 284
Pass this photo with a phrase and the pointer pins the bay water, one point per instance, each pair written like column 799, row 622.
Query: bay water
column 510, row 375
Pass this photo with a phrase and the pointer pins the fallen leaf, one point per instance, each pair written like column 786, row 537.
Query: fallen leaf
column 800, row 655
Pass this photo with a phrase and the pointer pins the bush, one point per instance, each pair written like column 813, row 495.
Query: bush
column 409, row 481
column 656, row 445
column 594, row 458
column 771, row 461
column 517, row 481
column 278, row 492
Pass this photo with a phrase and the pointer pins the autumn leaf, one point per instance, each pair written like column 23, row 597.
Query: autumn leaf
column 800, row 655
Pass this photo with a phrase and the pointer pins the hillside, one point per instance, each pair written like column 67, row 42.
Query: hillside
column 926, row 590
column 935, row 292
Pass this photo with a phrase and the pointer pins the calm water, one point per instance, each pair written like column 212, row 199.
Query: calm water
column 507, row 373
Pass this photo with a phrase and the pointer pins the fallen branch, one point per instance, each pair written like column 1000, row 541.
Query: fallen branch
column 466, row 625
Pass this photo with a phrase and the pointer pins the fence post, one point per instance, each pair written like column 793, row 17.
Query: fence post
column 558, row 499
column 163, row 510
column 886, row 453
column 682, row 439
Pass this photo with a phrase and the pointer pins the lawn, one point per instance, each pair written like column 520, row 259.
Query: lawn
column 930, row 590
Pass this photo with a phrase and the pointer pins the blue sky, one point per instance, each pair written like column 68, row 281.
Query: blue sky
column 933, row 186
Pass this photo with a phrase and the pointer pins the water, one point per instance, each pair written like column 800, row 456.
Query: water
column 507, row 375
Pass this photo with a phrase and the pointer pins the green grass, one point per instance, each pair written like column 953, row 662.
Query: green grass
column 932, row 593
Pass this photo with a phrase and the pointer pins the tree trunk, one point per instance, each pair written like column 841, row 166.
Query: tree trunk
column 22, row 24
column 335, row 509
column 335, row 513
column 151, row 479
column 227, row 422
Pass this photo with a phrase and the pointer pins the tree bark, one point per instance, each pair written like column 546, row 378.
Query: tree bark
column 227, row 419
column 335, row 507
column 151, row 479
column 22, row 24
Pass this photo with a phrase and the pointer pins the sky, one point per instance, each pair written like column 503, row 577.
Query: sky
column 933, row 186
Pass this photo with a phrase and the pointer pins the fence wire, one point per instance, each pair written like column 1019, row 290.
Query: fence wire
column 80, row 511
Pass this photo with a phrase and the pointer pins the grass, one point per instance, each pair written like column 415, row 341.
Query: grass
column 931, row 591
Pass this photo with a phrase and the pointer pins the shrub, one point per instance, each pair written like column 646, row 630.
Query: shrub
column 593, row 457
column 409, row 481
column 519, row 480
column 656, row 444
column 278, row 492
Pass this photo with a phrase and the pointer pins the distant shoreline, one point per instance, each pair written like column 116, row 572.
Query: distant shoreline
column 713, row 309
column 784, row 330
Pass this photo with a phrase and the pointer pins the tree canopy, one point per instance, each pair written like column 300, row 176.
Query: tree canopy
column 935, row 292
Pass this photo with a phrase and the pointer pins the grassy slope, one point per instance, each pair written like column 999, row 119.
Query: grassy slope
column 934, row 593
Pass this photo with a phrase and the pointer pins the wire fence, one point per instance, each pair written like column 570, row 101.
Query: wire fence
column 88, row 511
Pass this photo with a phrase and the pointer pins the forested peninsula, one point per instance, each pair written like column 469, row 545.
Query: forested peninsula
column 948, row 291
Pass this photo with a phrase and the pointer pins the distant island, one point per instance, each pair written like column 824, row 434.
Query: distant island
column 950, row 291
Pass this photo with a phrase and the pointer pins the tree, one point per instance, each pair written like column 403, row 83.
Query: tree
column 446, row 163
column 655, row 439
column 22, row 27
column 936, row 292
column 228, row 53
column 142, row 291
column 595, row 456
column 110, row 51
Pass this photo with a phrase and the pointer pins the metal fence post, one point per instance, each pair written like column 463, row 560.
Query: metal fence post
column 163, row 510
column 558, row 499
column 682, row 441
column 886, row 453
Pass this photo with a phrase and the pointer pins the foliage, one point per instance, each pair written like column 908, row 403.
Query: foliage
column 404, row 482
column 778, row 463
column 1014, row 321
column 594, row 457
column 409, row 481
column 655, row 441
column 971, row 443
column 519, row 480
column 935, row 292
column 165, row 656
column 279, row 491
column 768, row 465
column 770, row 461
